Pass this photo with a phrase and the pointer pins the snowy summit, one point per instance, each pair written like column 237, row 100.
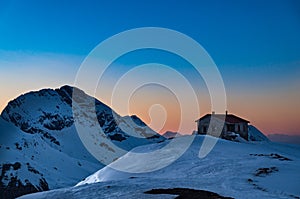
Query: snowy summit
column 40, row 147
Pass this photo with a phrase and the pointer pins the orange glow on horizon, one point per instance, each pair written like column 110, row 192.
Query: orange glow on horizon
column 272, row 113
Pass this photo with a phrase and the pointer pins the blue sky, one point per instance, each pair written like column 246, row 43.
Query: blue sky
column 233, row 32
column 249, row 34
column 255, row 44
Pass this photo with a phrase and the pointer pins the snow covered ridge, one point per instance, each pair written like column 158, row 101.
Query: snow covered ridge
column 231, row 169
column 40, row 148
column 49, row 110
column 255, row 135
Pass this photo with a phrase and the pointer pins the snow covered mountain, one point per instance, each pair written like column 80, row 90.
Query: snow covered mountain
column 256, row 135
column 40, row 147
column 231, row 169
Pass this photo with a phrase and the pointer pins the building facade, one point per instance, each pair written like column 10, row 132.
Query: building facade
column 228, row 124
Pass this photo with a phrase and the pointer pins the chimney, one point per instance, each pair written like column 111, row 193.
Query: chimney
column 226, row 112
column 213, row 112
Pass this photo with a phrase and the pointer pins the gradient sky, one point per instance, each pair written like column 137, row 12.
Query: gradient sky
column 255, row 44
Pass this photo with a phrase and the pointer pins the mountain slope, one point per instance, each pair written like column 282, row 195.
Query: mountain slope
column 238, row 170
column 256, row 135
column 29, row 164
column 40, row 146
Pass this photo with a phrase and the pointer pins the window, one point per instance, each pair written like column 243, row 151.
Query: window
column 204, row 129
column 230, row 127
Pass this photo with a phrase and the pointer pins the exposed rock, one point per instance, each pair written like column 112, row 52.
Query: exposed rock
column 185, row 193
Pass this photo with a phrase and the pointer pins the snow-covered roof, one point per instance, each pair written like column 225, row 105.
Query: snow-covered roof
column 229, row 118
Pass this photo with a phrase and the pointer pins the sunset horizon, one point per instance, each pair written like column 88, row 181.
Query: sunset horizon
column 257, row 54
column 255, row 119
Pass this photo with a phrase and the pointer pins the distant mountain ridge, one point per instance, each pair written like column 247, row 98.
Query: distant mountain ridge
column 40, row 148
column 283, row 138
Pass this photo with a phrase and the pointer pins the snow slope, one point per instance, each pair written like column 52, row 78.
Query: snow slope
column 42, row 166
column 238, row 170
column 41, row 149
column 256, row 135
